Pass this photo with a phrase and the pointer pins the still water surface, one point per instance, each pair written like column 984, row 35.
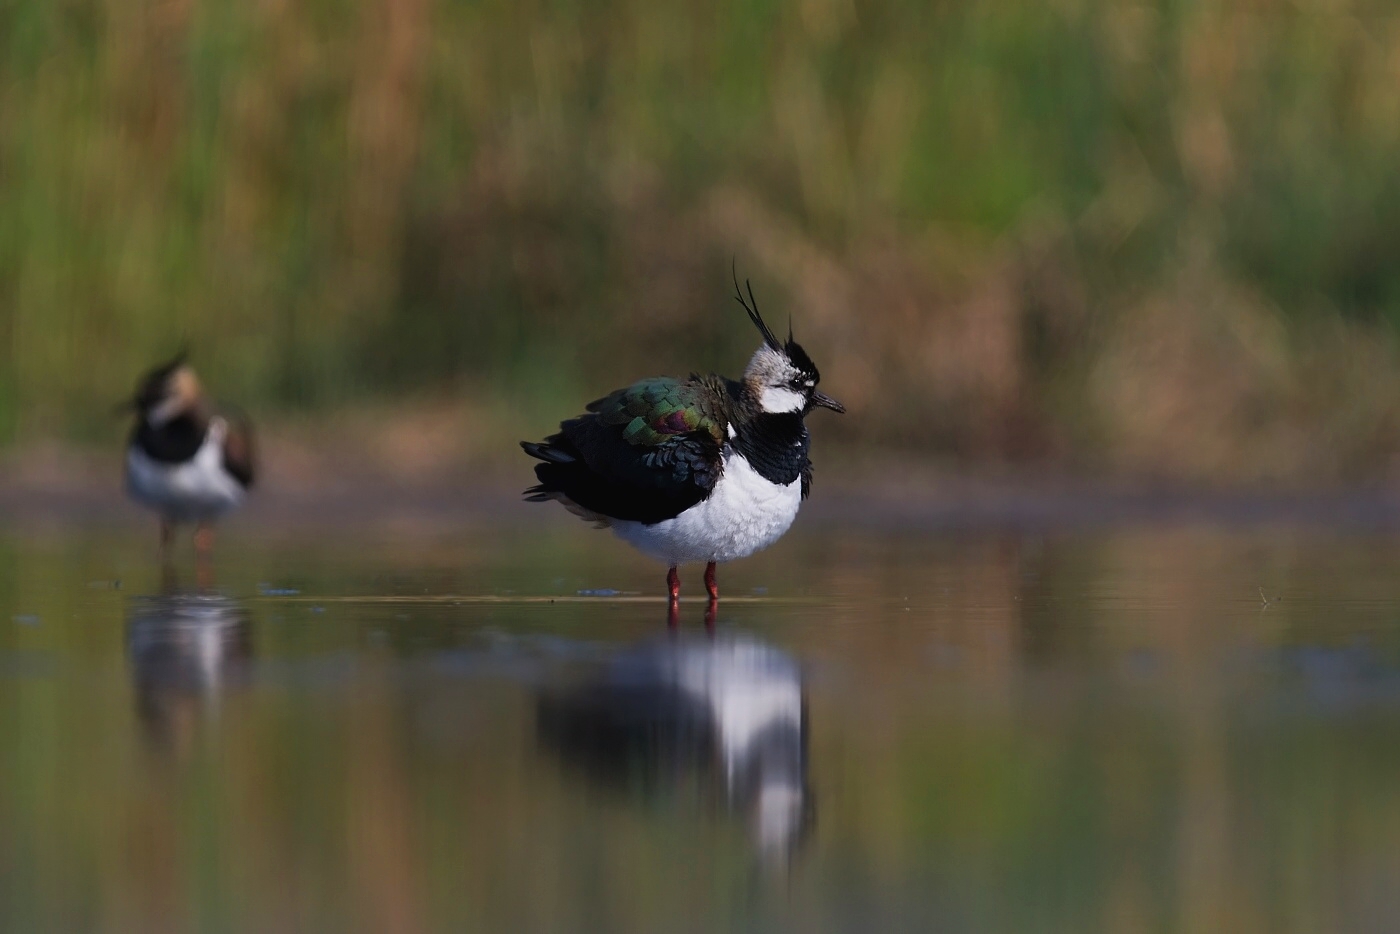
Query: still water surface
column 382, row 729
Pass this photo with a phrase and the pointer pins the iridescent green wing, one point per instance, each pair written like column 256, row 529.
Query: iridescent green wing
column 655, row 411
column 645, row 453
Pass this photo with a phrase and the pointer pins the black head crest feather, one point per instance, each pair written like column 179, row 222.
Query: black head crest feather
column 751, row 306
column 151, row 388
column 180, row 359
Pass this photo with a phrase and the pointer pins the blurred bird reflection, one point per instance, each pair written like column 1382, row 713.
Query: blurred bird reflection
column 729, row 712
column 186, row 650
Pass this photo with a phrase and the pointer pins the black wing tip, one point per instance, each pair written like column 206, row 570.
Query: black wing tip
column 537, row 494
column 243, row 473
column 546, row 452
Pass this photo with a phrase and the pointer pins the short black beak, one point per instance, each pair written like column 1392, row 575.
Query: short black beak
column 822, row 399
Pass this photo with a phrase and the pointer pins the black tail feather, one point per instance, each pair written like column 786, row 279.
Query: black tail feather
column 546, row 451
column 597, row 474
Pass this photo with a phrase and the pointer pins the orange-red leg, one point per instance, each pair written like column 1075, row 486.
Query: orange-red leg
column 203, row 551
column 711, row 587
column 204, row 539
column 673, row 610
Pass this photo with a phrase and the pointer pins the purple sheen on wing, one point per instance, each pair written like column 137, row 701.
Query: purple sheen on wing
column 674, row 424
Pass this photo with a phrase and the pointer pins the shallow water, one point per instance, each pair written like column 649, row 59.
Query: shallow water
column 376, row 728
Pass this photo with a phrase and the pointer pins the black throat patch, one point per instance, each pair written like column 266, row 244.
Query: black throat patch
column 174, row 442
column 775, row 445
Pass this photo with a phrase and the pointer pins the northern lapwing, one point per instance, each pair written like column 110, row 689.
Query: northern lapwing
column 186, row 461
column 702, row 469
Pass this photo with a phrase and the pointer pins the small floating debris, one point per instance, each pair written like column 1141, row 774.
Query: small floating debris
column 600, row 592
column 25, row 619
column 267, row 590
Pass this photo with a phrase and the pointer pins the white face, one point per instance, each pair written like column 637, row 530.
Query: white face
column 774, row 375
column 181, row 391
column 777, row 399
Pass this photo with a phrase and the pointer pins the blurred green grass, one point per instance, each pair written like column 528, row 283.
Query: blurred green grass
column 1148, row 237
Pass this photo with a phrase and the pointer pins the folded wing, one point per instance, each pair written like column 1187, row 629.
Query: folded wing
column 644, row 453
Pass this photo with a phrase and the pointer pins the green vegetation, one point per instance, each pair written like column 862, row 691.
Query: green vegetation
column 1145, row 237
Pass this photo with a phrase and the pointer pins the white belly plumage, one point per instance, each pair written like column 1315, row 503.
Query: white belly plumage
column 196, row 490
column 743, row 514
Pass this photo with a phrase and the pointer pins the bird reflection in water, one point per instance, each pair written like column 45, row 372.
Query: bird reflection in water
column 186, row 650
column 729, row 709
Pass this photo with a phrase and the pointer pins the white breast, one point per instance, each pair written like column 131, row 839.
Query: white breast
column 743, row 514
column 195, row 490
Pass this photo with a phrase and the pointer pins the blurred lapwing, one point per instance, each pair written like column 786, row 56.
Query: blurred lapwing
column 186, row 461
column 703, row 469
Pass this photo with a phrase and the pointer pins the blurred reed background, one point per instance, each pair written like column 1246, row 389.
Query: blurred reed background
column 1154, row 240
